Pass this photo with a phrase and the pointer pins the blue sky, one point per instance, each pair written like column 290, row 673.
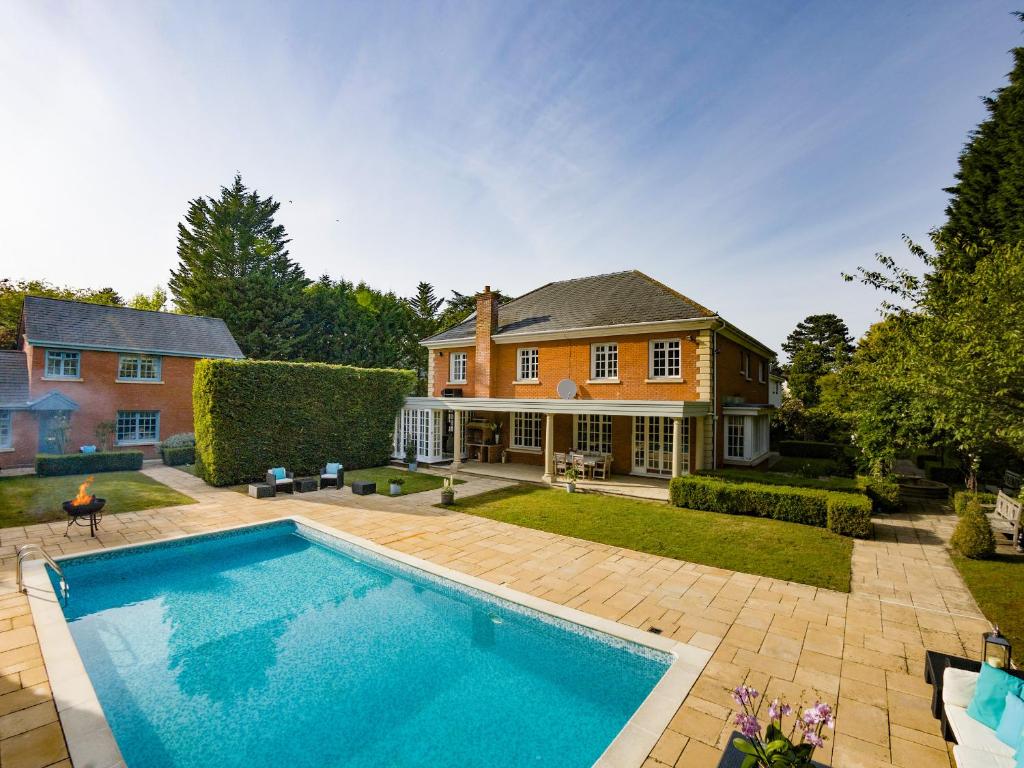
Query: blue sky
column 744, row 153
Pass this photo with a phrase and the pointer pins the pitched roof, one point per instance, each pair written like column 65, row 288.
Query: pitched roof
column 619, row 298
column 76, row 324
column 13, row 378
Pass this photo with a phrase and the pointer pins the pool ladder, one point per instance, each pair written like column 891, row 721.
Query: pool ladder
column 26, row 551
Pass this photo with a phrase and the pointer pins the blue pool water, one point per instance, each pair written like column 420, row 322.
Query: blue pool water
column 279, row 646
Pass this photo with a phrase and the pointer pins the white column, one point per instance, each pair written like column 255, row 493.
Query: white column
column 549, row 447
column 457, row 460
column 698, row 455
column 677, row 446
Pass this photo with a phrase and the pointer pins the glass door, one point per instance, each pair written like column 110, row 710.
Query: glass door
column 652, row 445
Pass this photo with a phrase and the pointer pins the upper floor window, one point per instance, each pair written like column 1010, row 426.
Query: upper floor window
column 528, row 364
column 604, row 361
column 457, row 367
column 62, row 364
column 6, row 431
column 139, row 368
column 665, row 359
column 527, row 429
column 745, row 364
column 760, row 371
column 137, row 427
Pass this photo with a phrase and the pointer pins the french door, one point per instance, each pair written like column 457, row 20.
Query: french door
column 652, row 445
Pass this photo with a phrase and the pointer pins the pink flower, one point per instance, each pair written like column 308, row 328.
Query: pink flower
column 813, row 739
column 748, row 725
column 744, row 695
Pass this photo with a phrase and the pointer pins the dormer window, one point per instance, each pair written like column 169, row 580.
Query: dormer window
column 528, row 367
column 457, row 367
column 62, row 364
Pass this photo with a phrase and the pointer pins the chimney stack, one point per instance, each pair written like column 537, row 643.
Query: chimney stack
column 486, row 325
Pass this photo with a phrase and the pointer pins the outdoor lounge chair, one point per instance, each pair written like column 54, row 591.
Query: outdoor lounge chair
column 332, row 474
column 280, row 479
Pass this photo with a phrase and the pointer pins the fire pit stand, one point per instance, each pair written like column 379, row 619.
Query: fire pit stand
column 77, row 513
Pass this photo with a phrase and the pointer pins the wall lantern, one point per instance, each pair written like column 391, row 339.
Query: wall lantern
column 995, row 649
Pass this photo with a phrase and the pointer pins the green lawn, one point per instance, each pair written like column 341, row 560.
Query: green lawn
column 29, row 499
column 998, row 586
column 414, row 481
column 781, row 550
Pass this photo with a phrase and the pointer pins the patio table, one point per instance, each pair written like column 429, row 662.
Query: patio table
column 306, row 484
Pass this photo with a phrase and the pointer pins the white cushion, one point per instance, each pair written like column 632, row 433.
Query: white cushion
column 328, row 477
column 280, row 481
column 978, row 758
column 958, row 686
column 972, row 735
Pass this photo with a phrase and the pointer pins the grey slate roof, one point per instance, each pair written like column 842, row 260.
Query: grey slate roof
column 56, row 322
column 13, row 378
column 615, row 299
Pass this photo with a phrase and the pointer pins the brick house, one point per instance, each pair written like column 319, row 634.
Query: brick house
column 87, row 364
column 618, row 364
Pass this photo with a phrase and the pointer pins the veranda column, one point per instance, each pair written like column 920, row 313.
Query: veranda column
column 698, row 455
column 457, row 460
column 677, row 446
column 549, row 447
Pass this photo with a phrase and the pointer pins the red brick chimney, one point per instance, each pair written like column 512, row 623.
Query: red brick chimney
column 486, row 325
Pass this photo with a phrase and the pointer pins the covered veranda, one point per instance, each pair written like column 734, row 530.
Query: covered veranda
column 656, row 439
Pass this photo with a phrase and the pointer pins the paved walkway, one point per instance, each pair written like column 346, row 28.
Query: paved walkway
column 863, row 651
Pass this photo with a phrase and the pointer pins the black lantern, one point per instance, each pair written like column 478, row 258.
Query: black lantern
column 995, row 649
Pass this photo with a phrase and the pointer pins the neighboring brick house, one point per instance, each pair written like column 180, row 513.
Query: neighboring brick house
column 89, row 363
column 617, row 364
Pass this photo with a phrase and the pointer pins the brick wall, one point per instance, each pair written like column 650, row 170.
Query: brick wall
column 733, row 384
column 22, row 452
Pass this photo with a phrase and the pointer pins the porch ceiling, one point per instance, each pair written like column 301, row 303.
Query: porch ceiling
column 670, row 408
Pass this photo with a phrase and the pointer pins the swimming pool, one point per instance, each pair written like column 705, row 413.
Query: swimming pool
column 285, row 644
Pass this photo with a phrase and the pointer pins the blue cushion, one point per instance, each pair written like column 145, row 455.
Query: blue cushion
column 88, row 449
column 990, row 696
column 1011, row 724
column 279, row 473
column 332, row 469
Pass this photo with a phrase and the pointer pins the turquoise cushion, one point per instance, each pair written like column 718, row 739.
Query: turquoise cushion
column 990, row 696
column 332, row 469
column 88, row 449
column 278, row 473
column 1011, row 724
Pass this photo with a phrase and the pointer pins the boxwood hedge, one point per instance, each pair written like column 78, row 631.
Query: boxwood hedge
column 810, row 449
column 53, row 465
column 848, row 514
column 251, row 415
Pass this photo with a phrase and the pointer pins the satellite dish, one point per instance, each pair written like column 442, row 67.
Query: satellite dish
column 566, row 389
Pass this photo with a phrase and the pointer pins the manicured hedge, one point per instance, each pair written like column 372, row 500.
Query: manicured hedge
column 810, row 449
column 86, row 463
column 175, row 457
column 973, row 535
column 251, row 415
column 849, row 513
column 962, row 498
column 884, row 493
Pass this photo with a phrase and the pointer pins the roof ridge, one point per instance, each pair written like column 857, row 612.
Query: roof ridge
column 119, row 306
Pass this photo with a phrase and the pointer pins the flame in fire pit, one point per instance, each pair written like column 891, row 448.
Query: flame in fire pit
column 83, row 497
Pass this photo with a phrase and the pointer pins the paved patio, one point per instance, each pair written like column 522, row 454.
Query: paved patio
column 863, row 651
column 654, row 488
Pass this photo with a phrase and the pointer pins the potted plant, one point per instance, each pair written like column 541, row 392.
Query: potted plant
column 395, row 485
column 775, row 748
column 410, row 454
column 571, row 476
column 448, row 492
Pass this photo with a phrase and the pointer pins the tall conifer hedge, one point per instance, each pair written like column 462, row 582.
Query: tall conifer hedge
column 251, row 415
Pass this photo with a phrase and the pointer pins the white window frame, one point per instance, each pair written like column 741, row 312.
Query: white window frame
column 527, row 431
column 667, row 375
column 528, row 362
column 761, row 378
column 157, row 366
column 62, row 357
column 6, row 429
column 745, row 364
column 604, row 354
column 592, row 433
column 136, row 418
column 735, row 427
column 457, row 361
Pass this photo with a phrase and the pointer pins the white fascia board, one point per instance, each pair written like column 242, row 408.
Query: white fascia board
column 670, row 408
column 747, row 410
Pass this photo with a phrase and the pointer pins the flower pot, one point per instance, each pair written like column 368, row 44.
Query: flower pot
column 570, row 487
column 396, row 490
column 412, row 466
column 447, row 498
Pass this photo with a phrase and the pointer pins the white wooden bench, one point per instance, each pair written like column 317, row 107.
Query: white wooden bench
column 1005, row 518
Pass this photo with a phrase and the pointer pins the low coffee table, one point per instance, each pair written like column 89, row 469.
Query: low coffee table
column 261, row 490
column 306, row 484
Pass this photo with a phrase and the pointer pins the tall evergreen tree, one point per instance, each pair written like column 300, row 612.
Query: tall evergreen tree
column 234, row 265
column 425, row 307
column 988, row 197
column 819, row 345
column 460, row 306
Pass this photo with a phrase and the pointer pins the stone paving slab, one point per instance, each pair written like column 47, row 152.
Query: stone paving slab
column 862, row 651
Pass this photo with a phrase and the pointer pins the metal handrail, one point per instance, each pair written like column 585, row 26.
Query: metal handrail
column 34, row 550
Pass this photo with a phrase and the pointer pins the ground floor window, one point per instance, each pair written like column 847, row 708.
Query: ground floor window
column 138, row 427
column 735, row 429
column 653, row 445
column 746, row 437
column 527, row 429
column 6, row 430
column 423, row 427
column 594, row 433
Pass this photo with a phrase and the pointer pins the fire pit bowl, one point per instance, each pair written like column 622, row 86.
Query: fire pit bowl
column 78, row 512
